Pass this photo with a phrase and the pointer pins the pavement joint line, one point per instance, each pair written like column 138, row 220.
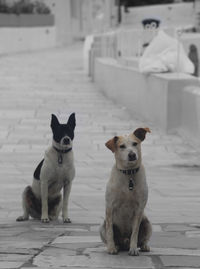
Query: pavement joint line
column 40, row 250
column 157, row 262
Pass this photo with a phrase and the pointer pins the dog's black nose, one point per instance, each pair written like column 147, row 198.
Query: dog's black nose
column 132, row 156
column 66, row 141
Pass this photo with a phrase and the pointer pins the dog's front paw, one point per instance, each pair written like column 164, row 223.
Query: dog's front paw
column 133, row 252
column 112, row 250
column 45, row 220
column 66, row 220
column 22, row 218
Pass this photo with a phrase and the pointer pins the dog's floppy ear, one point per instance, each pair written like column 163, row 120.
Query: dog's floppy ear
column 111, row 144
column 54, row 121
column 72, row 121
column 140, row 133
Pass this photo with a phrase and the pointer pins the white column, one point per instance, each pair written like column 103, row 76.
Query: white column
column 197, row 15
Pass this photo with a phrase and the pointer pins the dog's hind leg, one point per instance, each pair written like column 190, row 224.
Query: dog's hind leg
column 25, row 205
column 122, row 242
column 31, row 205
column 54, row 207
column 144, row 234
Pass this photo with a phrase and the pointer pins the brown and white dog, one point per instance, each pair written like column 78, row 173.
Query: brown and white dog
column 125, row 226
column 54, row 173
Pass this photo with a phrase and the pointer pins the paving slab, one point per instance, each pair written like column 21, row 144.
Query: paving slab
column 10, row 264
column 175, row 239
column 180, row 261
column 174, row 252
column 76, row 239
column 94, row 260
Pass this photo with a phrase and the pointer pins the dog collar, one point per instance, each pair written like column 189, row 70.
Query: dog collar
column 130, row 172
column 60, row 152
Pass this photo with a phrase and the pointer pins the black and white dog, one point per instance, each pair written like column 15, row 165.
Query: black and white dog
column 55, row 172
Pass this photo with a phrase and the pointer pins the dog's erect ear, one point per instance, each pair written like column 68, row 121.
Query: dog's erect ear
column 54, row 121
column 111, row 144
column 72, row 121
column 140, row 133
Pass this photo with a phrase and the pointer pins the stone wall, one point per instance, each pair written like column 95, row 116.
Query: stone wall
column 160, row 99
column 16, row 39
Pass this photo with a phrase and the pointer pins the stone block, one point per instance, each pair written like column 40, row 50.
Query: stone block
column 10, row 264
column 174, row 252
column 95, row 260
column 119, row 82
column 180, row 261
column 76, row 239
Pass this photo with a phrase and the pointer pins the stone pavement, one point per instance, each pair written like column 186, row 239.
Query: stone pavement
column 34, row 85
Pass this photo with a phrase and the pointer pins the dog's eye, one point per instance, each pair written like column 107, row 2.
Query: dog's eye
column 134, row 144
column 122, row 146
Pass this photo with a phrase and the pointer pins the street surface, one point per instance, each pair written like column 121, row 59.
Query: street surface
column 32, row 87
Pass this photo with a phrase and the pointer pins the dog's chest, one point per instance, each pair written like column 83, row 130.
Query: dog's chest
column 62, row 176
column 126, row 201
column 126, row 205
column 62, row 171
column 62, row 165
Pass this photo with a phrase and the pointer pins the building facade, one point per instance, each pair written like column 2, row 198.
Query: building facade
column 74, row 19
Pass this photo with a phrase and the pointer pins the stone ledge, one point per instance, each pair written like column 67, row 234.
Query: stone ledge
column 156, row 98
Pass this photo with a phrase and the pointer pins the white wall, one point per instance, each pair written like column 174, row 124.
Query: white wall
column 62, row 12
column 170, row 15
column 26, row 39
column 158, row 98
column 190, row 125
column 189, row 39
column 92, row 16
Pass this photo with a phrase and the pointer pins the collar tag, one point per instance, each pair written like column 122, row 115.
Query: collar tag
column 60, row 159
column 60, row 152
column 131, row 184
